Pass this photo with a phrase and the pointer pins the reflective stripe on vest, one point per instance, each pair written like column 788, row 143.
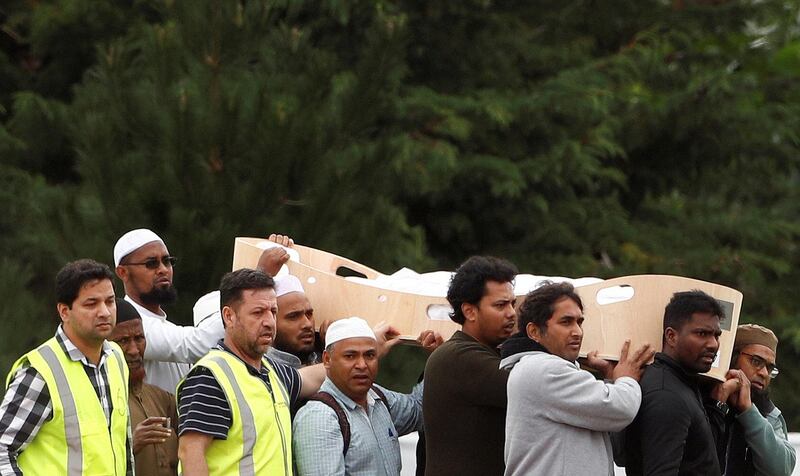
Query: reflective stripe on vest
column 72, row 426
column 259, row 439
column 77, row 440
column 246, row 465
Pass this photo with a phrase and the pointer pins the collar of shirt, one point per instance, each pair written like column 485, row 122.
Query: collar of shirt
column 74, row 353
column 331, row 388
column 144, row 312
column 263, row 372
column 676, row 367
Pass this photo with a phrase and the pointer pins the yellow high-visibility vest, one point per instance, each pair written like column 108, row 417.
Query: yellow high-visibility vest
column 260, row 438
column 77, row 440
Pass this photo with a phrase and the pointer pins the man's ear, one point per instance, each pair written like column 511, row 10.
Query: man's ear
column 326, row 359
column 470, row 311
column 63, row 310
column 121, row 272
column 227, row 315
column 670, row 337
column 533, row 331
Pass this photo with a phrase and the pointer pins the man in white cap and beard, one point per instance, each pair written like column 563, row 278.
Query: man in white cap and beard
column 145, row 266
column 351, row 426
column 755, row 440
column 296, row 342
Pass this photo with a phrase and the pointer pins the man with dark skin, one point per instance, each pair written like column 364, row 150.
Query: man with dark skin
column 154, row 418
column 671, row 433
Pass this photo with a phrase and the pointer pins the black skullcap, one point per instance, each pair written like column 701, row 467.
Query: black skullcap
column 126, row 311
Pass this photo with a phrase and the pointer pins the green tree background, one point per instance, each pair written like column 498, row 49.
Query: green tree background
column 582, row 138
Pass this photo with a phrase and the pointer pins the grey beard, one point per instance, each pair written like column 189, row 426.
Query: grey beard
column 158, row 296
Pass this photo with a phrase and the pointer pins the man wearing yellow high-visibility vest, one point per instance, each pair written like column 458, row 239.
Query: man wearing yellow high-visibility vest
column 65, row 411
column 234, row 405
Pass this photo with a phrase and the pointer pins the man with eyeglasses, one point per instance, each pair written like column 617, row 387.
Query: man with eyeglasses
column 754, row 440
column 144, row 265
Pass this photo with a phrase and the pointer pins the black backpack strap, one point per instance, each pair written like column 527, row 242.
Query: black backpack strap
column 381, row 396
column 344, row 423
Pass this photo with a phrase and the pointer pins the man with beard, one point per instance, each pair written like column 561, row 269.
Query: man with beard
column 234, row 404
column 145, row 267
column 296, row 342
column 756, row 440
column 154, row 418
column 671, row 433
column 465, row 389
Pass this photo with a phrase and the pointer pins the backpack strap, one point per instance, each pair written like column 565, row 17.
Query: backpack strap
column 344, row 423
column 381, row 396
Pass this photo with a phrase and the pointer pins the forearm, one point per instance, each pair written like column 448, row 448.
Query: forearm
column 192, row 446
column 168, row 342
column 772, row 453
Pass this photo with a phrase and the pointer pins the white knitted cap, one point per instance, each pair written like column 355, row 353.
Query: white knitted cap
column 347, row 329
column 132, row 241
column 286, row 284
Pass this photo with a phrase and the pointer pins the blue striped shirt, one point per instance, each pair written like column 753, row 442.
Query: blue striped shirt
column 203, row 407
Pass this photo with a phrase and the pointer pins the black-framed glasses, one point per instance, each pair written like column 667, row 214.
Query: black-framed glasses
column 759, row 363
column 153, row 263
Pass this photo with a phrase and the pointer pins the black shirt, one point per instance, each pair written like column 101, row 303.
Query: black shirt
column 671, row 433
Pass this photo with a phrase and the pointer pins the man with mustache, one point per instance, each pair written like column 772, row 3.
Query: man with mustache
column 234, row 404
column 145, row 266
column 465, row 390
column 154, row 418
column 296, row 342
column 672, row 433
column 756, row 440
column 65, row 410
column 559, row 416
column 351, row 426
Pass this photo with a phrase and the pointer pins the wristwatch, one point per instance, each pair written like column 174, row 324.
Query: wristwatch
column 722, row 406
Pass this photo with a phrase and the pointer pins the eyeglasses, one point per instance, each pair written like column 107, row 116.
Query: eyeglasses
column 760, row 363
column 153, row 263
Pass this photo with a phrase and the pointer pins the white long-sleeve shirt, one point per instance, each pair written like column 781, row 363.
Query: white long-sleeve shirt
column 171, row 349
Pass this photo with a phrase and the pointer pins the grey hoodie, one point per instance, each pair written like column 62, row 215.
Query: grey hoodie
column 559, row 416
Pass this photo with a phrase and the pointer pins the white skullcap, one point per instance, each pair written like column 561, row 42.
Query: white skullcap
column 205, row 307
column 132, row 241
column 286, row 284
column 347, row 329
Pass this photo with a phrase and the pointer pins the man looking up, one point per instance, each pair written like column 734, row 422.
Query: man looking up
column 363, row 440
column 65, row 411
column 465, row 390
column 234, row 404
column 154, row 418
column 756, row 438
column 671, row 433
column 558, row 415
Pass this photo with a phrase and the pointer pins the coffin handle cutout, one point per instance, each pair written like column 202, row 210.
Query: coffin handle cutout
column 615, row 294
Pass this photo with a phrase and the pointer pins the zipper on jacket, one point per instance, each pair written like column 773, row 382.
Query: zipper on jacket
column 280, row 426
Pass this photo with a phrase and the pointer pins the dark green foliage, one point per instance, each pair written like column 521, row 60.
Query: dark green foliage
column 574, row 138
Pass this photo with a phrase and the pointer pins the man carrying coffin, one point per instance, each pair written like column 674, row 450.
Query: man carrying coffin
column 559, row 416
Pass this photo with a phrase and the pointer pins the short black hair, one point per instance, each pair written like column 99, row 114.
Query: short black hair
column 684, row 304
column 468, row 284
column 233, row 283
column 71, row 278
column 539, row 304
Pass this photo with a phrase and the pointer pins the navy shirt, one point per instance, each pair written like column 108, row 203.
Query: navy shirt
column 202, row 405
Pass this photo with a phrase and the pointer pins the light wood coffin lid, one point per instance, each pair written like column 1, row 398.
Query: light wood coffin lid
column 605, row 329
column 641, row 318
column 317, row 272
